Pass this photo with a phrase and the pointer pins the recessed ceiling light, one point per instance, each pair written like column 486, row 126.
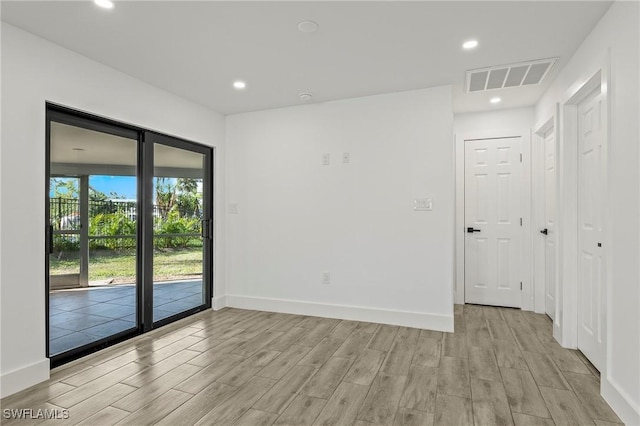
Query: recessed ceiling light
column 470, row 44
column 495, row 100
column 107, row 4
column 308, row 26
column 305, row 96
column 238, row 84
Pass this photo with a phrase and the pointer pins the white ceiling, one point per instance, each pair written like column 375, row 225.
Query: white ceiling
column 76, row 145
column 197, row 49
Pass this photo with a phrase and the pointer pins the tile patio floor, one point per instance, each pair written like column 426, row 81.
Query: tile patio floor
column 81, row 316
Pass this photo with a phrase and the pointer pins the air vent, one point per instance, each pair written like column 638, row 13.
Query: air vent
column 514, row 75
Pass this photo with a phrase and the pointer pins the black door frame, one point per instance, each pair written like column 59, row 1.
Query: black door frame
column 144, row 222
column 149, row 139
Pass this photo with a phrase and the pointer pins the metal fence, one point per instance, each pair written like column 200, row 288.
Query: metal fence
column 64, row 213
column 112, row 224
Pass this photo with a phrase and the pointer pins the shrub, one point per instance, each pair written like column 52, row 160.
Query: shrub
column 112, row 224
column 66, row 242
column 174, row 224
column 119, row 223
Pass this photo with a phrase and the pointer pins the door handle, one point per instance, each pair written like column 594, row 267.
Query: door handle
column 207, row 229
column 471, row 230
column 204, row 230
column 50, row 239
column 545, row 231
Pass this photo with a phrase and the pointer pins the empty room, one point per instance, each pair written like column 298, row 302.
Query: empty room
column 320, row 212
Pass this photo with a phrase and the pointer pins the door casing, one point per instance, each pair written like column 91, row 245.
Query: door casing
column 565, row 328
column 590, row 202
column 526, row 263
column 538, row 207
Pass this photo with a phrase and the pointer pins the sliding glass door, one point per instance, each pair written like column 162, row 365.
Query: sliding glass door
column 93, row 238
column 181, row 217
column 129, row 231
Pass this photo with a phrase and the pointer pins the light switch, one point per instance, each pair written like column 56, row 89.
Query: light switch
column 326, row 159
column 423, row 204
column 233, row 208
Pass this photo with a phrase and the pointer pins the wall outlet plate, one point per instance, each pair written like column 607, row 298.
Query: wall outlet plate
column 326, row 277
column 326, row 159
column 232, row 208
column 423, row 204
column 346, row 157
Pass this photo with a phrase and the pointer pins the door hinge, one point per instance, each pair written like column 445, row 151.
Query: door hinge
column 520, row 221
column 520, row 285
column 521, row 158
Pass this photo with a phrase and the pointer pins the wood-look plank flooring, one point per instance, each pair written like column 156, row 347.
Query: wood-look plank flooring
column 238, row 367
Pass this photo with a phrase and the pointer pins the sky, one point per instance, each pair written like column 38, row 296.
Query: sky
column 124, row 186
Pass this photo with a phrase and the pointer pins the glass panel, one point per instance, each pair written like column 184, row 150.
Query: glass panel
column 64, row 221
column 177, row 223
column 92, row 264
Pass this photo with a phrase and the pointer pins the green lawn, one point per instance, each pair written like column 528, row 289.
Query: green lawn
column 121, row 265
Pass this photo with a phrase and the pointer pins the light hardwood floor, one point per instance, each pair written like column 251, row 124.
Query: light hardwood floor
column 237, row 367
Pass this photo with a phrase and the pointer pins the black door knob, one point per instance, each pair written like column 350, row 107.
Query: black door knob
column 471, row 230
column 545, row 231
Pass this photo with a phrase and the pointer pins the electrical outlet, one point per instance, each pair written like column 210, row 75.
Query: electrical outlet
column 326, row 277
column 346, row 157
column 423, row 204
column 326, row 159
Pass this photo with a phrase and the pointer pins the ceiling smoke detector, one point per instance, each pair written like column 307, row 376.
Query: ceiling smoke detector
column 308, row 27
column 305, row 97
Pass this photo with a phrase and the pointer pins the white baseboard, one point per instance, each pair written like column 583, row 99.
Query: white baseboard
column 621, row 403
column 22, row 378
column 557, row 333
column 355, row 313
column 218, row 303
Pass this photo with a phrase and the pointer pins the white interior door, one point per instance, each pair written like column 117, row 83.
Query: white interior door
column 549, row 231
column 493, row 172
column 591, row 264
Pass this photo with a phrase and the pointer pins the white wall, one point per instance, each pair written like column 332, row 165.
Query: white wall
column 618, row 31
column 1, row 60
column 35, row 71
column 298, row 218
column 481, row 123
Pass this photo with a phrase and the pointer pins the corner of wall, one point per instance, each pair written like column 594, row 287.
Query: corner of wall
column 219, row 302
column 24, row 377
column 620, row 402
